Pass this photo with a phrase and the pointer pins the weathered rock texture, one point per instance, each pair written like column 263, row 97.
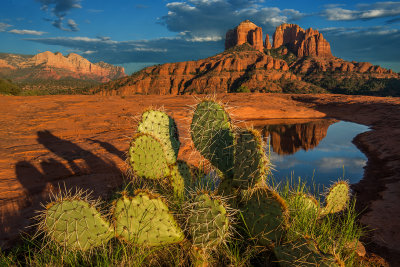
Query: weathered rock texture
column 48, row 65
column 315, row 65
column 246, row 32
column 301, row 42
column 219, row 74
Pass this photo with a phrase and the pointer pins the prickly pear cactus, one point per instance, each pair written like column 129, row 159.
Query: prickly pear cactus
column 301, row 202
column 302, row 252
column 250, row 163
column 145, row 219
column 337, row 198
column 212, row 135
column 76, row 224
column 163, row 127
column 180, row 178
column 208, row 221
column 147, row 157
column 265, row 214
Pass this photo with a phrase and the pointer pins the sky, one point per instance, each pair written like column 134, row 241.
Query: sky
column 138, row 33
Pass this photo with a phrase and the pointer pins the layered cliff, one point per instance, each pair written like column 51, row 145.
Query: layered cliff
column 225, row 72
column 301, row 42
column 55, row 66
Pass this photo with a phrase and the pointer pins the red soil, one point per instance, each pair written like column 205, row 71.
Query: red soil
column 81, row 141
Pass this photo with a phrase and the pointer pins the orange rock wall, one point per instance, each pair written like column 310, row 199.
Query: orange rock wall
column 213, row 75
column 246, row 32
column 301, row 42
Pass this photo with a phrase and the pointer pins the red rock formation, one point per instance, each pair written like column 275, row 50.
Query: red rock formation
column 47, row 65
column 219, row 74
column 317, row 65
column 267, row 43
column 246, row 32
column 300, row 42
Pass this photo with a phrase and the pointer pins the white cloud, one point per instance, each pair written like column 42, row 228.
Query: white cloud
column 27, row 32
column 363, row 11
column 161, row 50
column 214, row 17
column 72, row 25
column 4, row 26
column 327, row 164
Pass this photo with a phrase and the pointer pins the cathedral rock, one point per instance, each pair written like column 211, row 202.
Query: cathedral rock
column 299, row 41
column 246, row 32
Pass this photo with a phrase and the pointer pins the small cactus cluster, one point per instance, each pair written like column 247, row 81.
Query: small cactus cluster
column 206, row 220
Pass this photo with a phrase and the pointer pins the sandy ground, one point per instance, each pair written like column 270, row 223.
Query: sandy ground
column 47, row 141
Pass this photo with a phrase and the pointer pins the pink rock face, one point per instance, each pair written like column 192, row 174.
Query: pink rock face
column 302, row 42
column 246, row 32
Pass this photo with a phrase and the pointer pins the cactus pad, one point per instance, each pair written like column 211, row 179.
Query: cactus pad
column 145, row 219
column 208, row 221
column 265, row 214
column 163, row 127
column 180, row 178
column 147, row 157
column 76, row 225
column 250, row 160
column 337, row 198
column 212, row 135
column 302, row 252
column 303, row 203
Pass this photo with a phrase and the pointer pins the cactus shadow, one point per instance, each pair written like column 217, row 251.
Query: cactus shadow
column 69, row 167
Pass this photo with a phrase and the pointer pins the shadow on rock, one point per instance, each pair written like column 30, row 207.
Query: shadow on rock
column 72, row 167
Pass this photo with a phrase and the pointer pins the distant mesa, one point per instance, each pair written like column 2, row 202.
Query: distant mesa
column 54, row 66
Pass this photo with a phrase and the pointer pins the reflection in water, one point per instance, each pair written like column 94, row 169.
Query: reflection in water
column 290, row 138
column 321, row 150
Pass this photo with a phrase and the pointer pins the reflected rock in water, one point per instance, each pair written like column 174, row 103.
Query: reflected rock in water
column 288, row 138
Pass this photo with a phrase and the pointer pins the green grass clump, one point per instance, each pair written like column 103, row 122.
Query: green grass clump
column 332, row 232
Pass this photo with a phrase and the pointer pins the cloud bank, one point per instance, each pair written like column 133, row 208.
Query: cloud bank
column 26, row 32
column 60, row 9
column 363, row 11
column 215, row 17
column 182, row 47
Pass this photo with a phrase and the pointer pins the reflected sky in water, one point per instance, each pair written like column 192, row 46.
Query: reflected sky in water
column 319, row 151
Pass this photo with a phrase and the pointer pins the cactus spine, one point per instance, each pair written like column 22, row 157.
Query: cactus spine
column 302, row 252
column 147, row 157
column 212, row 135
column 265, row 214
column 145, row 219
column 208, row 221
column 337, row 198
column 163, row 127
column 75, row 224
column 250, row 164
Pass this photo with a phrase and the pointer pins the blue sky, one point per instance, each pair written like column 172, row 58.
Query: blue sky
column 137, row 33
